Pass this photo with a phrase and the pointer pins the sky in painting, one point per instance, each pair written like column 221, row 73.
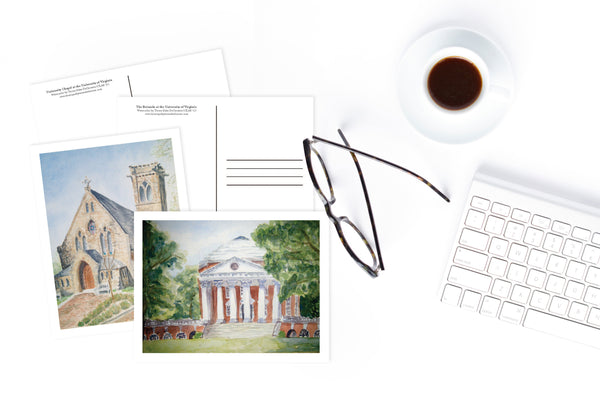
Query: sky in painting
column 107, row 167
column 199, row 238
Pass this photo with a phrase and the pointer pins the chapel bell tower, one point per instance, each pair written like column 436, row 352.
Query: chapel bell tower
column 149, row 191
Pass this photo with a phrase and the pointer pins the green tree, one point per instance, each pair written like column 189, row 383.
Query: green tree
column 187, row 303
column 56, row 267
column 292, row 257
column 160, row 254
column 163, row 150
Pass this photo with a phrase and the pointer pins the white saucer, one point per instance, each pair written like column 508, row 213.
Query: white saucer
column 454, row 126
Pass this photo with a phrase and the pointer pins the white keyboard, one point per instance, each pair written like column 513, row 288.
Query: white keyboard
column 527, row 258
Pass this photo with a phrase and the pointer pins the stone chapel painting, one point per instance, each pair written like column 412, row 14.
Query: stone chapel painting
column 227, row 286
column 90, row 196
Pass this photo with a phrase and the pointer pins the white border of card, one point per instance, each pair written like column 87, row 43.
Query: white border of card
column 46, row 253
column 322, row 356
column 84, row 105
column 241, row 153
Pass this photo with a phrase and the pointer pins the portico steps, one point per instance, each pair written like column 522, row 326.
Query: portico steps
column 238, row 330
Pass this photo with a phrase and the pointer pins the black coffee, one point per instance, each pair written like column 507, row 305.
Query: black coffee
column 454, row 83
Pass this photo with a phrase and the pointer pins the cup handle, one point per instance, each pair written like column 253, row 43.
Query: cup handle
column 500, row 91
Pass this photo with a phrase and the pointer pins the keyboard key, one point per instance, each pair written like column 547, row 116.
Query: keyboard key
column 470, row 258
column 537, row 258
column 574, row 290
column 594, row 317
column 533, row 237
column 561, row 227
column 489, row 307
column 591, row 254
column 514, row 231
column 555, row 284
column 481, row 203
column 498, row 247
column 516, row 273
column 575, row 270
column 497, row 266
column 580, row 233
column 517, row 252
column 556, row 264
column 592, row 296
column 451, row 295
column 593, row 276
column 520, row 294
column 501, row 209
column 553, row 242
column 494, row 225
column 470, row 279
column 470, row 300
column 578, row 311
column 512, row 313
column 501, row 288
column 539, row 300
column 558, row 305
column 548, row 323
column 536, row 278
column 596, row 238
column 540, row 221
column 572, row 248
column 521, row 215
column 475, row 219
column 474, row 239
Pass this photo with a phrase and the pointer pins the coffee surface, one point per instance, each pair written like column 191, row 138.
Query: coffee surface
column 454, row 83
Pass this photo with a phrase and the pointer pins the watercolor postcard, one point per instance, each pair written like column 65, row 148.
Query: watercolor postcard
column 88, row 192
column 232, row 285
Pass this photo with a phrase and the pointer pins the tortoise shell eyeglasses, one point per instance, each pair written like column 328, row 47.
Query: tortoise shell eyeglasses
column 327, row 196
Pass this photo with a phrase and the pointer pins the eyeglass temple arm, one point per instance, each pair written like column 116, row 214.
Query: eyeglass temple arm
column 381, row 160
column 367, row 200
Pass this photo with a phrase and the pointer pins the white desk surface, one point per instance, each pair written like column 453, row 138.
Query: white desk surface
column 390, row 337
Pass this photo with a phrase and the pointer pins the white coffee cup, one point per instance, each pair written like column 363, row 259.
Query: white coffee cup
column 449, row 125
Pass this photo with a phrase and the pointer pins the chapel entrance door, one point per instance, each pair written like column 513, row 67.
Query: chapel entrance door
column 86, row 276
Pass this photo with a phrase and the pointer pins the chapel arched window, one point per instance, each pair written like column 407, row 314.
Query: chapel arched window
column 110, row 242
column 148, row 192
column 145, row 192
column 102, row 243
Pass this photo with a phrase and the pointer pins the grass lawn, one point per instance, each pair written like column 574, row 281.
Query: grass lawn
column 218, row 345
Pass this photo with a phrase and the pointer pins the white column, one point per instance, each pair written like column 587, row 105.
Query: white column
column 204, row 288
column 246, row 301
column 232, row 304
column 261, row 302
column 276, row 304
column 220, row 316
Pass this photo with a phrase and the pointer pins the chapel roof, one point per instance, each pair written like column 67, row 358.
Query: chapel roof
column 122, row 215
column 64, row 272
column 95, row 255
